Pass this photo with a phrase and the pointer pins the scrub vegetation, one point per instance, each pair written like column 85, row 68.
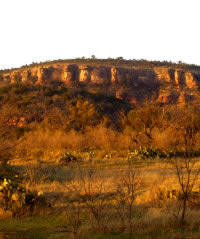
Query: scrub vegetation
column 79, row 164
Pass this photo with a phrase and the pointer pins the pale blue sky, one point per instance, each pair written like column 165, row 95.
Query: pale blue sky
column 39, row 30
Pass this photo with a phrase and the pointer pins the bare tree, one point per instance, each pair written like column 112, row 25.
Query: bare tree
column 91, row 191
column 186, row 123
column 75, row 215
column 129, row 185
column 94, row 196
column 187, row 173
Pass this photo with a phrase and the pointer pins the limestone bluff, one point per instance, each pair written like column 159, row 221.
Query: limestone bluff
column 134, row 84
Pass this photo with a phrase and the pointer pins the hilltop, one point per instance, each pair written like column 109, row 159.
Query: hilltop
column 130, row 80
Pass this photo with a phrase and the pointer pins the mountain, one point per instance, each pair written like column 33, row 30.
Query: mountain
column 133, row 81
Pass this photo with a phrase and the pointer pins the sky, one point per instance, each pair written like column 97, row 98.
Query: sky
column 40, row 30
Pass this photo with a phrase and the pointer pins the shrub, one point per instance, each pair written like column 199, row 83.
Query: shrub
column 17, row 200
column 67, row 157
column 9, row 172
column 146, row 152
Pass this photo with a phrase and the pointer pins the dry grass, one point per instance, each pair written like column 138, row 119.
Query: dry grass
column 149, row 210
column 56, row 178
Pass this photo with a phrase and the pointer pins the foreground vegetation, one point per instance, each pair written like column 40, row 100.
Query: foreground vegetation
column 96, row 199
column 80, row 164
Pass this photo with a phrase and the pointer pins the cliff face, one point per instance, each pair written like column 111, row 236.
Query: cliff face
column 132, row 84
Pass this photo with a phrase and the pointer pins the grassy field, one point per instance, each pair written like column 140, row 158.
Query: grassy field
column 153, row 215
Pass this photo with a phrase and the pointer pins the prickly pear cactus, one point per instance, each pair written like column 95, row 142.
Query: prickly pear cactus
column 16, row 199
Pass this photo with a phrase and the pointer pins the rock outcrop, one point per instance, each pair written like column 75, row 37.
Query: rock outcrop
column 69, row 74
column 165, row 75
column 85, row 74
column 167, row 85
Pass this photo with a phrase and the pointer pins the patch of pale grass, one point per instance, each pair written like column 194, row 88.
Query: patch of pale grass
column 144, row 198
column 193, row 216
column 155, row 214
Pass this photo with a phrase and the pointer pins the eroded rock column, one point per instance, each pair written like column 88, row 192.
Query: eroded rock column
column 70, row 74
column 85, row 74
column 40, row 72
column 180, row 78
column 165, row 75
column 114, row 78
column 190, row 81
column 101, row 75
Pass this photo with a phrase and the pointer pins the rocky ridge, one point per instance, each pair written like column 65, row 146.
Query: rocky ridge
column 134, row 84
